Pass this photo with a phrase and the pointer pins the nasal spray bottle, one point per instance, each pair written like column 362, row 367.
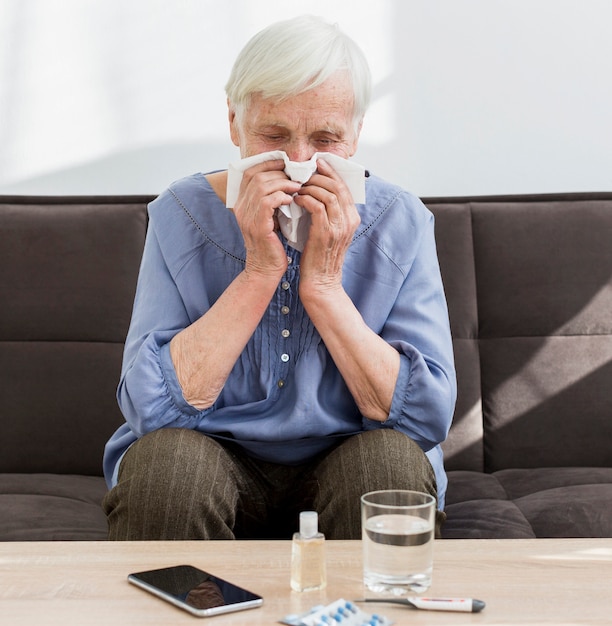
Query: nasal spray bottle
column 308, row 555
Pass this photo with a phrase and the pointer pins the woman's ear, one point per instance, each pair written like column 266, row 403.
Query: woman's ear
column 233, row 123
column 355, row 142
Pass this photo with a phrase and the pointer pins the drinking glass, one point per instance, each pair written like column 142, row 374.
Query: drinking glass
column 397, row 528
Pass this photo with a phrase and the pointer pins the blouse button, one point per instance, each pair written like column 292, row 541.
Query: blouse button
column 285, row 333
column 281, row 383
column 285, row 310
column 285, row 285
column 284, row 357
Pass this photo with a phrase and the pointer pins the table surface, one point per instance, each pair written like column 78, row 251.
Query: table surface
column 533, row 581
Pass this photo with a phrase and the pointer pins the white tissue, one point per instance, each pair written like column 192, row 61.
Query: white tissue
column 294, row 222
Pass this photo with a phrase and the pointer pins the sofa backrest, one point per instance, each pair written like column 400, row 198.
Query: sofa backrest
column 68, row 269
column 528, row 281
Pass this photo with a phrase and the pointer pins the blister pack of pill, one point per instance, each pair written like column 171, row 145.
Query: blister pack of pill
column 338, row 613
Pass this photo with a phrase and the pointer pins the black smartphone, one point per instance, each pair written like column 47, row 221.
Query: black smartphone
column 196, row 591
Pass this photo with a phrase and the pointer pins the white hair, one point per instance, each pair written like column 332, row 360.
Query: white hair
column 293, row 56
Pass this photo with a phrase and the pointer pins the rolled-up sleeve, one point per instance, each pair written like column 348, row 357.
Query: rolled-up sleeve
column 149, row 394
column 418, row 327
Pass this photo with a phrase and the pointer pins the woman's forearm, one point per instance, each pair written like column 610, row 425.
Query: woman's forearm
column 368, row 364
column 205, row 352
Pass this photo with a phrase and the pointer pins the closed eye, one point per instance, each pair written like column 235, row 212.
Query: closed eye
column 325, row 142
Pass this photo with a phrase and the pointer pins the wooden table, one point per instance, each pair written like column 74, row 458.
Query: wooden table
column 539, row 581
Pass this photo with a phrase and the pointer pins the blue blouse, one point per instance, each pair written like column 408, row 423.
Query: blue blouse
column 285, row 401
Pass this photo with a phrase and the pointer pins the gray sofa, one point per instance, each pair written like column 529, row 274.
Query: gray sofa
column 529, row 287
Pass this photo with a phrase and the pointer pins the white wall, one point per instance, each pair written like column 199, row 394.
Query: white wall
column 471, row 96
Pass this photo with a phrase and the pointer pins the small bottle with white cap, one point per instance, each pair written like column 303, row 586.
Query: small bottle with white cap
column 308, row 555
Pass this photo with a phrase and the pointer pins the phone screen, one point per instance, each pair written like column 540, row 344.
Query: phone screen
column 196, row 591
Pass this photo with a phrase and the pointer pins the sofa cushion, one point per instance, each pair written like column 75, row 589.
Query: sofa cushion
column 528, row 282
column 68, row 269
column 543, row 273
column 65, row 432
column 41, row 507
column 523, row 503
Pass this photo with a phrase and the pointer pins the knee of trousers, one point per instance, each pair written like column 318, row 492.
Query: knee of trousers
column 177, row 464
column 173, row 484
column 386, row 459
column 369, row 461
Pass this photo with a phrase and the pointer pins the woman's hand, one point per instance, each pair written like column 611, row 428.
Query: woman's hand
column 334, row 222
column 264, row 188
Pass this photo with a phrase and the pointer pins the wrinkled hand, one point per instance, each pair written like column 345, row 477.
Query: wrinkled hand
column 263, row 189
column 334, row 222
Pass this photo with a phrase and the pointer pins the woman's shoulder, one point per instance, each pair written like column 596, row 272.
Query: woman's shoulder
column 190, row 212
column 185, row 192
column 390, row 204
column 192, row 197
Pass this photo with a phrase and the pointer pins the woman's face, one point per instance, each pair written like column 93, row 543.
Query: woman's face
column 318, row 120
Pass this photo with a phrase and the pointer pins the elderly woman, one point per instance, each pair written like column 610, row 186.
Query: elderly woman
column 262, row 377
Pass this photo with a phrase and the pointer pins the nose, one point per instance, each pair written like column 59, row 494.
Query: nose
column 299, row 150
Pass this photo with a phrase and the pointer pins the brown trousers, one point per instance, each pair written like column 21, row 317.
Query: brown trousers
column 179, row 484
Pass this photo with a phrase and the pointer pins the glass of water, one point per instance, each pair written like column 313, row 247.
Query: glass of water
column 397, row 528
